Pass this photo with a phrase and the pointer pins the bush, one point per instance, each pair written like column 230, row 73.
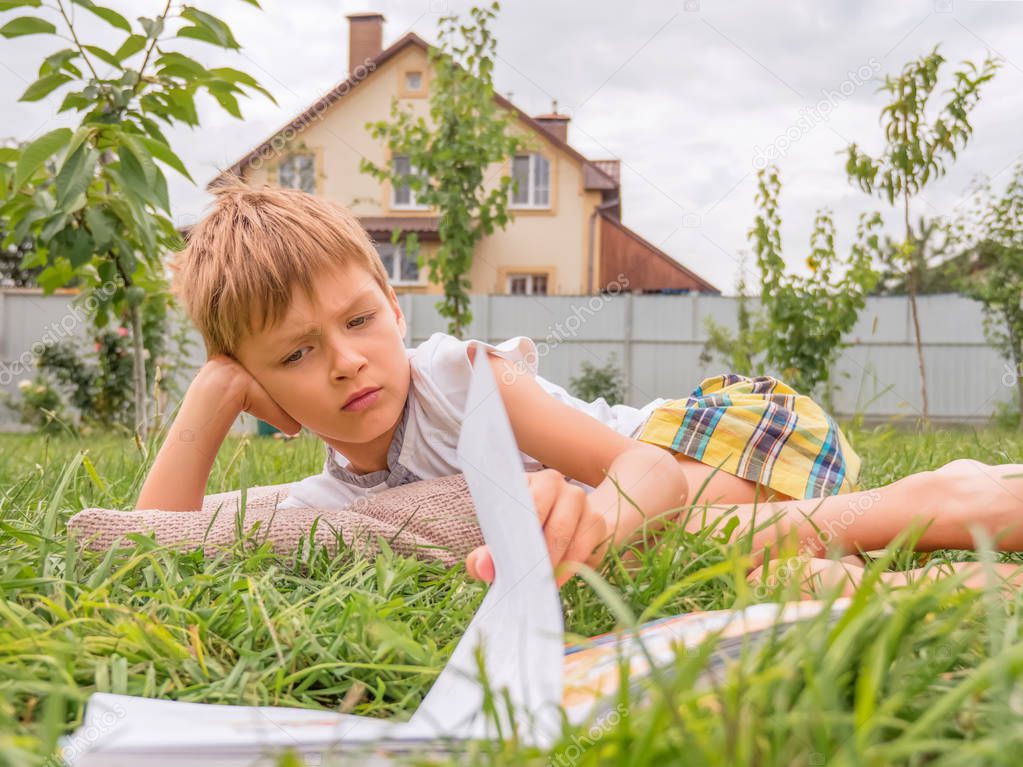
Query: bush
column 87, row 384
column 40, row 406
column 594, row 382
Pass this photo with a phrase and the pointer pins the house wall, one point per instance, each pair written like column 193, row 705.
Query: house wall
column 555, row 241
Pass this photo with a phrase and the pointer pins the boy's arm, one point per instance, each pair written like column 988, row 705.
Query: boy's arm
column 177, row 479
column 583, row 448
column 221, row 390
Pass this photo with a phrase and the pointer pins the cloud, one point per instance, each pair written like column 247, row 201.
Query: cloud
column 682, row 92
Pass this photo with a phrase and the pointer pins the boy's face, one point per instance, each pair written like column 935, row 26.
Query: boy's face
column 350, row 338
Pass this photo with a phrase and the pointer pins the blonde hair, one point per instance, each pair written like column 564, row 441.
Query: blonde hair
column 241, row 261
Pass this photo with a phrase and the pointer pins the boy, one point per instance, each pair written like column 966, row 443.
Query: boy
column 302, row 329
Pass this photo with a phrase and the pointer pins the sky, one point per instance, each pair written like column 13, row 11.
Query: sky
column 692, row 96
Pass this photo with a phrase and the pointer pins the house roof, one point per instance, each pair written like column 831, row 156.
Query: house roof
column 595, row 177
column 381, row 226
column 658, row 253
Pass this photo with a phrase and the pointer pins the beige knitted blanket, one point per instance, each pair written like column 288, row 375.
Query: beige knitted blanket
column 431, row 519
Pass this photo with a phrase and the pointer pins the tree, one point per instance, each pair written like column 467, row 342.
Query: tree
column 449, row 159
column 934, row 268
column 804, row 318
column 917, row 151
column 990, row 238
column 101, row 213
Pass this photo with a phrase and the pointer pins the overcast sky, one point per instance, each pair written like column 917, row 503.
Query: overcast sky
column 690, row 95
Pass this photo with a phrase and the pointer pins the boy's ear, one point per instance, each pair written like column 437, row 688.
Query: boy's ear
column 398, row 314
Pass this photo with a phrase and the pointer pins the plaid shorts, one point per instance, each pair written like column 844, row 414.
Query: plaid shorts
column 759, row 429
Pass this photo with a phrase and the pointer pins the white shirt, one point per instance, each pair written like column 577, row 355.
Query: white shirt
column 425, row 444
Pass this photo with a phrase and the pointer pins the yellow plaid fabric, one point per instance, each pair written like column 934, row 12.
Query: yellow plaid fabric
column 759, row 429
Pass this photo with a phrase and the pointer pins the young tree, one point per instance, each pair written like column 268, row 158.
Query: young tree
column 917, row 151
column 804, row 318
column 935, row 269
column 990, row 237
column 101, row 213
column 450, row 157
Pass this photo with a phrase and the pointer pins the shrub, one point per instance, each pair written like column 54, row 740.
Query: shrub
column 594, row 382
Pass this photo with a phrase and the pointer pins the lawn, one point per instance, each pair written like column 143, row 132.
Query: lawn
column 922, row 675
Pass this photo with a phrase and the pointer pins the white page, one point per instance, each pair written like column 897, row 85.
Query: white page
column 519, row 625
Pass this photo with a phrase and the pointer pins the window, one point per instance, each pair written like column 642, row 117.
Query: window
column 527, row 284
column 414, row 81
column 298, row 171
column 404, row 196
column 401, row 268
column 532, row 172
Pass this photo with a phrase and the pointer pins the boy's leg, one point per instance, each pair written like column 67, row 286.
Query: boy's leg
column 948, row 501
column 817, row 577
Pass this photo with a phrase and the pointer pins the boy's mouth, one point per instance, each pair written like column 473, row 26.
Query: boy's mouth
column 362, row 399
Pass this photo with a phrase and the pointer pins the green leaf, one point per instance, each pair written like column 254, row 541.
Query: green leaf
column 227, row 101
column 75, row 176
column 8, row 154
column 43, row 86
column 131, row 45
column 57, row 275
column 74, row 244
column 79, row 138
column 207, row 28
column 173, row 64
column 74, row 100
column 7, row 5
column 102, row 228
column 182, row 105
column 230, row 75
column 160, row 191
column 152, row 27
column 38, row 152
column 153, row 129
column 109, row 16
column 105, row 56
column 27, row 25
column 59, row 60
column 164, row 154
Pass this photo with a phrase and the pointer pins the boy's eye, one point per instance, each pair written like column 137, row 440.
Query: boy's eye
column 355, row 323
column 366, row 317
column 292, row 359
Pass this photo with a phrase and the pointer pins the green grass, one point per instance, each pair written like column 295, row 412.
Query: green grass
column 922, row 675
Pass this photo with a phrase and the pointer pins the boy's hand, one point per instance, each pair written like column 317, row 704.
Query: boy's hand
column 225, row 374
column 573, row 530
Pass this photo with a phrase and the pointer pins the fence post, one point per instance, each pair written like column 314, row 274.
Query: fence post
column 410, row 317
column 486, row 317
column 3, row 338
column 627, row 347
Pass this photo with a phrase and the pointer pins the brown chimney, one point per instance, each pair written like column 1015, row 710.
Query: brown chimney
column 554, row 123
column 365, row 38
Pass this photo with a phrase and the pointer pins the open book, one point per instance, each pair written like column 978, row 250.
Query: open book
column 518, row 631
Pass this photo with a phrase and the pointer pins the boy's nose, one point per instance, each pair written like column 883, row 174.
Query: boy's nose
column 346, row 363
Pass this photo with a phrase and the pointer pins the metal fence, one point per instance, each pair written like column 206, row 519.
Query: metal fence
column 656, row 340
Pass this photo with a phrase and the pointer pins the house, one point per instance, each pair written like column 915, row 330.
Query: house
column 566, row 235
